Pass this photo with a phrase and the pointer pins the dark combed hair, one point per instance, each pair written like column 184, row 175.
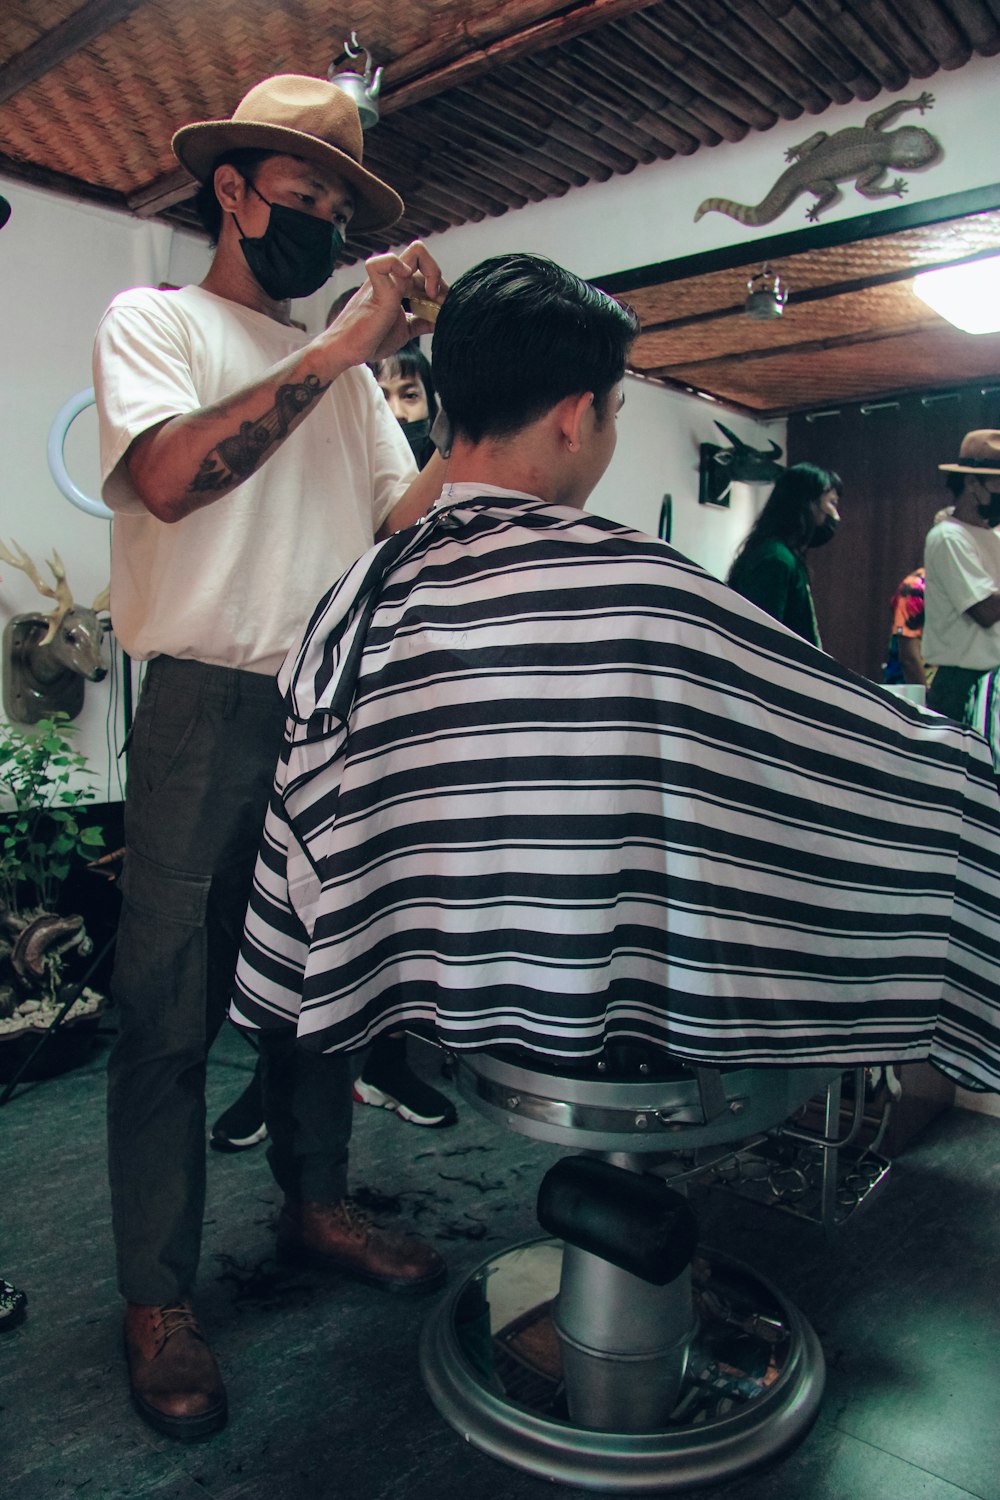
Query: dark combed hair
column 516, row 334
column 246, row 160
column 409, row 363
column 786, row 514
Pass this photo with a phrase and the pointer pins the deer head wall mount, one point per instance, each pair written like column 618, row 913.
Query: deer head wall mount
column 47, row 658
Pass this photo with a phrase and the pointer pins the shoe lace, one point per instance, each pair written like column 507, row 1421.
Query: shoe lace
column 176, row 1319
column 356, row 1221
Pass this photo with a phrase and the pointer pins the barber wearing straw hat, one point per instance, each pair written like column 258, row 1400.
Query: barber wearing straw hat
column 962, row 566
column 247, row 465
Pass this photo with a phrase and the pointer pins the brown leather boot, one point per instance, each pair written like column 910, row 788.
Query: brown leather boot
column 176, row 1385
column 339, row 1237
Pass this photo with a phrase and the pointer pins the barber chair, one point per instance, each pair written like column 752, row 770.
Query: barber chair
column 614, row 1354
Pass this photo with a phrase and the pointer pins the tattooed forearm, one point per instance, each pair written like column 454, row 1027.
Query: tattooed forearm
column 237, row 457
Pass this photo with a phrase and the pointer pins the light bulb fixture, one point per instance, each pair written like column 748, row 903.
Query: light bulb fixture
column 362, row 87
column 967, row 296
column 765, row 294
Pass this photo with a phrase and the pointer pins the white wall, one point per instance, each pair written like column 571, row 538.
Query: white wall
column 659, row 433
column 62, row 262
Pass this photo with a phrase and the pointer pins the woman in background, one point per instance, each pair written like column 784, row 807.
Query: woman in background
column 802, row 511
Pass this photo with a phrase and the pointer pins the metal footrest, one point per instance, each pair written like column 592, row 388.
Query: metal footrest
column 824, row 1185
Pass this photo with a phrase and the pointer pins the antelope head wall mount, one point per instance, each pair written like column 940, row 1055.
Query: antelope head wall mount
column 47, row 658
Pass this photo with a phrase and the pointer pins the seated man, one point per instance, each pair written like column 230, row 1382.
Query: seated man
column 547, row 783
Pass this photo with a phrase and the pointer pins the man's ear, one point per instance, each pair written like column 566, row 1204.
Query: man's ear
column 230, row 187
column 573, row 410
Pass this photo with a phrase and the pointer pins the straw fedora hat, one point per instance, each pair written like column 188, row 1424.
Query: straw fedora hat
column 296, row 116
column 979, row 453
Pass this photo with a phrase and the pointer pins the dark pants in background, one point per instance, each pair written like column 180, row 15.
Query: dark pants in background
column 204, row 747
column 949, row 693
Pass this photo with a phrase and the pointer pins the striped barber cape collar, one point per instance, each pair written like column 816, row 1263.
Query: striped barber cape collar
column 319, row 677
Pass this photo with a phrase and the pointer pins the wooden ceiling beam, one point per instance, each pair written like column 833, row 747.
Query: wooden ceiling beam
column 61, row 42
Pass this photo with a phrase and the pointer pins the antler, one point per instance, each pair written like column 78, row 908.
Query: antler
column 61, row 593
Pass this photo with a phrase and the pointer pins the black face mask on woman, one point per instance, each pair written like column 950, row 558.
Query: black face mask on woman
column 296, row 253
column 824, row 531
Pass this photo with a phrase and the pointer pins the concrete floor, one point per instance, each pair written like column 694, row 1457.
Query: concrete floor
column 325, row 1394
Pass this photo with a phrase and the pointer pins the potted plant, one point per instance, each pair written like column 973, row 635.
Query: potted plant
column 43, row 789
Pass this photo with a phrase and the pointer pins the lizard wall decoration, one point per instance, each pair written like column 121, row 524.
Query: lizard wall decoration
column 862, row 152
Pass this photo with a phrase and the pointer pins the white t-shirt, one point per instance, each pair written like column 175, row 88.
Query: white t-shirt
column 962, row 567
column 234, row 584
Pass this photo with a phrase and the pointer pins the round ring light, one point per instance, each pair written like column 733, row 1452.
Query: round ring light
column 58, row 432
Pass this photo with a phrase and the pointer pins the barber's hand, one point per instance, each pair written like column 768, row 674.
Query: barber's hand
column 374, row 324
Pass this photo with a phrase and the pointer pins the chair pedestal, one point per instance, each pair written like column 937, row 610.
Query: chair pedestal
column 606, row 1357
column 493, row 1366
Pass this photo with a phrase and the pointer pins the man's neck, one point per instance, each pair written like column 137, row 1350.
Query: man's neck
column 507, row 467
column 230, row 277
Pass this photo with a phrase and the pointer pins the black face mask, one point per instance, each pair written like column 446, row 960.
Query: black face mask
column 296, row 253
column 990, row 512
column 824, row 532
column 417, row 434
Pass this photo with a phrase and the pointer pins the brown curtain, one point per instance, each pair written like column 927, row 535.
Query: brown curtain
column 887, row 455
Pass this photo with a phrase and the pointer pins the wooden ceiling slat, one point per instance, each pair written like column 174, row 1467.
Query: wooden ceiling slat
column 621, row 94
column 916, row 58
column 715, row 80
column 795, row 90
column 649, row 44
column 655, row 59
column 513, row 135
column 617, row 58
column 787, row 43
column 857, row 36
column 937, row 36
column 825, row 47
column 526, row 164
column 687, row 29
column 444, row 156
column 516, row 104
column 594, row 133
column 633, row 66
column 562, row 144
column 980, row 25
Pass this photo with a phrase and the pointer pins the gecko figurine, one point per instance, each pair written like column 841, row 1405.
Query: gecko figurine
column 862, row 152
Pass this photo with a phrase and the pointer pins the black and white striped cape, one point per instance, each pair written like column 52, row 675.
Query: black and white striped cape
column 546, row 782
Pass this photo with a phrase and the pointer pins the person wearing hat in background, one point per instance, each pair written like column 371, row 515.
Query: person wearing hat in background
column 962, row 586
column 246, row 464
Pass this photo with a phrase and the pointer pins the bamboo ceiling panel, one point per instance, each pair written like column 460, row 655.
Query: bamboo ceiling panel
column 835, row 265
column 907, row 362
column 874, row 311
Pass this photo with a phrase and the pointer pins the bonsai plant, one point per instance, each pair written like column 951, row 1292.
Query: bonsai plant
column 43, row 787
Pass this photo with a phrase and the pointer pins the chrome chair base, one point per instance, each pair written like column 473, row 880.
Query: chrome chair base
column 493, row 1365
